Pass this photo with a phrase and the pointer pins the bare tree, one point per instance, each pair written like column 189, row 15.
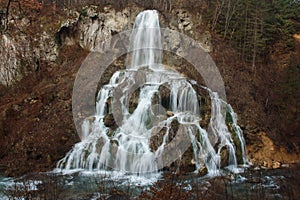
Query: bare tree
column 6, row 15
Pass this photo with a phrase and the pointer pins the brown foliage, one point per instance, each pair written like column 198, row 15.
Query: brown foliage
column 171, row 188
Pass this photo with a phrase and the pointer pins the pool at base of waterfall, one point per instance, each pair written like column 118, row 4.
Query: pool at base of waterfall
column 79, row 184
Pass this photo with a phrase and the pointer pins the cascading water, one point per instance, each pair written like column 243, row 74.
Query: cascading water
column 120, row 135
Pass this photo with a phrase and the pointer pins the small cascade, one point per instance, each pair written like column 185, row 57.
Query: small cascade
column 141, row 109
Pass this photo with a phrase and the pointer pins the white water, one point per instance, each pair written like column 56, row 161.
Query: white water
column 127, row 149
column 146, row 43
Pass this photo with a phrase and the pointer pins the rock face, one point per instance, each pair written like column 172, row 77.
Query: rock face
column 184, row 22
column 8, row 61
column 90, row 28
column 98, row 27
column 263, row 152
column 19, row 56
column 22, row 54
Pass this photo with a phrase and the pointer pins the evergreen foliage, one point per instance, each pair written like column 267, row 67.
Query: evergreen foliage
column 254, row 26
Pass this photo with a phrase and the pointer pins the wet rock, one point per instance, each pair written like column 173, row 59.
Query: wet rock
column 254, row 180
column 134, row 100
column 156, row 138
column 224, row 157
column 113, row 147
column 158, row 133
column 91, row 119
column 205, row 106
column 109, row 121
column 100, row 143
column 186, row 162
column 174, row 127
column 237, row 143
column 202, row 171
column 140, row 78
column 165, row 93
column 156, row 102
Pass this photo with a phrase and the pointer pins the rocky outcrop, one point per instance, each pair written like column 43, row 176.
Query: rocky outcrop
column 183, row 21
column 262, row 151
column 21, row 54
column 90, row 27
column 9, row 71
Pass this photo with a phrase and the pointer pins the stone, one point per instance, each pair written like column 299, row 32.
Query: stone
column 91, row 11
column 100, row 143
column 276, row 165
column 173, row 41
column 165, row 92
column 133, row 100
column 156, row 138
column 22, row 54
column 100, row 27
column 170, row 113
column 205, row 40
column 109, row 121
column 188, row 27
column 267, row 164
column 91, row 119
column 202, row 171
column 254, row 180
column 224, row 157
column 263, row 152
column 184, row 21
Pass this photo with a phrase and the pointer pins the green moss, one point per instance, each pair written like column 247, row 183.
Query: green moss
column 84, row 12
column 233, row 130
column 236, row 141
column 114, row 141
column 228, row 118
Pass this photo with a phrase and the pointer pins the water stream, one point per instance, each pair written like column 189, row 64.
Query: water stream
column 252, row 184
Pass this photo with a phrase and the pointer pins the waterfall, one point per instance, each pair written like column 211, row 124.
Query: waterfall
column 137, row 137
column 145, row 41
